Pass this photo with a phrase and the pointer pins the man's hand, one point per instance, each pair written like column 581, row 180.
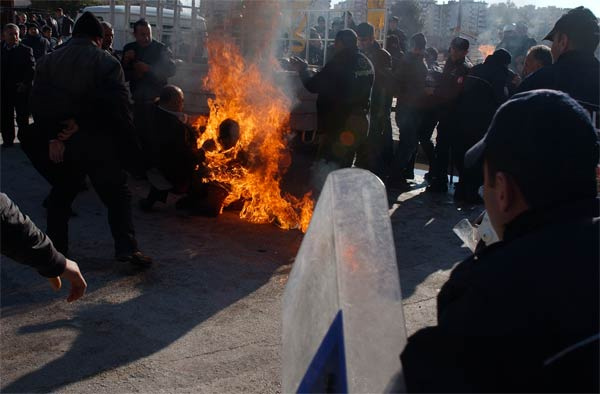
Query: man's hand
column 298, row 64
column 78, row 284
column 140, row 68
column 128, row 56
column 71, row 127
column 57, row 151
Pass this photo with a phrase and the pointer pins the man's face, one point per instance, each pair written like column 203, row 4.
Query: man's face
column 107, row 40
column 23, row 18
column 33, row 31
column 457, row 54
column 58, row 14
column 143, row 35
column 47, row 34
column 11, row 36
column 530, row 65
column 393, row 25
column 365, row 42
column 560, row 44
column 322, row 23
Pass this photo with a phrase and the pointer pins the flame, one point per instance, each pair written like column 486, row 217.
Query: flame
column 486, row 50
column 247, row 96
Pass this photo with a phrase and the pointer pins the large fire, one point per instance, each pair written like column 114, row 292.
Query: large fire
column 486, row 50
column 247, row 96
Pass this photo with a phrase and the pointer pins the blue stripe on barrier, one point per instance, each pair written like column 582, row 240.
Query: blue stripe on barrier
column 327, row 370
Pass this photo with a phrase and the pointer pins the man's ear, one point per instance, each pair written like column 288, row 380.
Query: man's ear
column 505, row 192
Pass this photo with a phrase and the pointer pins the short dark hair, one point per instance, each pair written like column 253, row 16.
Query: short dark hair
column 418, row 41
column 59, row 10
column 542, row 54
column 46, row 28
column 347, row 37
column 140, row 22
column 365, row 30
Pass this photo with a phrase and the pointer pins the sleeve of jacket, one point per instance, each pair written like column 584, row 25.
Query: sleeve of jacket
column 322, row 82
column 165, row 67
column 29, row 66
column 23, row 242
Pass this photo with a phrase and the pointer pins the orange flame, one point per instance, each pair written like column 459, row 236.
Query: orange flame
column 246, row 95
column 486, row 50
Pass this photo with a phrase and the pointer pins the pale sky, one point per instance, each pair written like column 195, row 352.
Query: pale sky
column 593, row 5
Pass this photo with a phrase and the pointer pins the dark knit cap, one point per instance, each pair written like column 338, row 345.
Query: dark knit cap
column 88, row 25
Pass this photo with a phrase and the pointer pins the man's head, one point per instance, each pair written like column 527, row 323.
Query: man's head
column 88, row 26
column 22, row 18
column 540, row 151
column 418, row 43
column 431, row 55
column 315, row 39
column 394, row 23
column 142, row 33
column 32, row 29
column 22, row 30
column 109, row 34
column 336, row 26
column 459, row 47
column 365, row 34
column 229, row 133
column 59, row 12
column 321, row 22
column 537, row 57
column 577, row 30
column 509, row 31
column 345, row 39
column 47, row 32
column 10, row 34
column 172, row 98
column 521, row 28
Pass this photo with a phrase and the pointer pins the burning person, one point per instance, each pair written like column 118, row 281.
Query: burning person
column 344, row 88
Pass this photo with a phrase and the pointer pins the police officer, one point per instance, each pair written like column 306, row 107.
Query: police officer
column 522, row 315
column 576, row 70
column 410, row 95
column 344, row 95
column 455, row 70
column 381, row 96
column 485, row 89
column 87, row 129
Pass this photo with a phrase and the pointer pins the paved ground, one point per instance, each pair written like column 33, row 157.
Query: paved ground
column 205, row 318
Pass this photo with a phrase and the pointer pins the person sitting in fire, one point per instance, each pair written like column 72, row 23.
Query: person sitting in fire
column 344, row 96
column 169, row 146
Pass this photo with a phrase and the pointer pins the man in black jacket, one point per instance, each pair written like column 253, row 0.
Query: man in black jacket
column 344, row 88
column 18, row 65
column 23, row 242
column 451, row 83
column 523, row 314
column 381, row 95
column 576, row 70
column 35, row 41
column 80, row 107
column 65, row 25
column 485, row 89
column 147, row 64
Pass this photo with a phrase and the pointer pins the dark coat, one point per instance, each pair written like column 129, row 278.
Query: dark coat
column 382, row 63
column 23, row 242
column 522, row 316
column 160, row 59
column 39, row 44
column 344, row 88
column 575, row 73
column 65, row 26
column 411, row 78
column 18, row 66
column 83, row 82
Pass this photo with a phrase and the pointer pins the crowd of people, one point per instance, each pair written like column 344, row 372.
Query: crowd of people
column 526, row 145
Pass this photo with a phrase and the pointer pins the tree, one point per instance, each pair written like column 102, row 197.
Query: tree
column 410, row 16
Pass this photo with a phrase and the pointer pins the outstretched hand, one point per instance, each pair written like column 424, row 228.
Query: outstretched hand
column 78, row 284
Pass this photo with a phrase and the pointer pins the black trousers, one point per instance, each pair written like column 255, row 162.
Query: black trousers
column 470, row 179
column 425, row 133
column 11, row 103
column 96, row 157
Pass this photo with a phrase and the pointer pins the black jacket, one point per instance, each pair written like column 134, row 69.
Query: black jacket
column 65, row 26
column 83, row 82
column 23, row 242
column 344, row 88
column 382, row 63
column 39, row 44
column 576, row 73
column 160, row 59
column 521, row 316
column 18, row 66
column 411, row 78
column 449, row 88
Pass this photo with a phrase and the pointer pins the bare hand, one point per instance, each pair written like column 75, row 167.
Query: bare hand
column 298, row 64
column 78, row 284
column 71, row 127
column 56, row 151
